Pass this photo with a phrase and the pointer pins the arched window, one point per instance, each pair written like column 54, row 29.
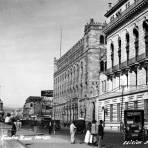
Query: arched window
column 101, row 66
column 82, row 68
column 112, row 54
column 119, row 50
column 127, row 46
column 74, row 74
column 145, row 27
column 77, row 72
column 101, row 39
column 136, row 34
column 105, row 65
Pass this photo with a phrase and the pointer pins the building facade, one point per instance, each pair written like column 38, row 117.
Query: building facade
column 127, row 62
column 32, row 107
column 76, row 76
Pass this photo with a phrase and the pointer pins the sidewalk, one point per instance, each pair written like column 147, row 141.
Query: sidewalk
column 60, row 138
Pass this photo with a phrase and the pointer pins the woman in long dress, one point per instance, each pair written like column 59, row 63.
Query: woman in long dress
column 88, row 133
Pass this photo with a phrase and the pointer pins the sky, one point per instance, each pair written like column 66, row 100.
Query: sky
column 30, row 39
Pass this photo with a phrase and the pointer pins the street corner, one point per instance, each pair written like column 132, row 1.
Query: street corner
column 11, row 144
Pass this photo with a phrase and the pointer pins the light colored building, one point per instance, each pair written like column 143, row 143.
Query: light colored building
column 127, row 61
column 76, row 76
column 32, row 106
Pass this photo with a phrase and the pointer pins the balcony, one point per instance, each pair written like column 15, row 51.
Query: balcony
column 141, row 57
column 132, row 61
column 126, row 65
column 109, row 71
column 115, row 68
column 123, row 65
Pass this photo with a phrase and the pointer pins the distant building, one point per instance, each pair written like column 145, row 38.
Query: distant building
column 1, row 109
column 32, row 106
column 18, row 112
column 46, row 102
column 76, row 76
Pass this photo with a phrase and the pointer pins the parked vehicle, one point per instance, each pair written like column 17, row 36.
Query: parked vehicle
column 45, row 121
column 134, row 125
column 80, row 124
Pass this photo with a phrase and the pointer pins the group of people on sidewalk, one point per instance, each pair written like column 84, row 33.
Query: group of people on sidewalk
column 94, row 134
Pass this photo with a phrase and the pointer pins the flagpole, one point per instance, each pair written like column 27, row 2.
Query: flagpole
column 60, row 41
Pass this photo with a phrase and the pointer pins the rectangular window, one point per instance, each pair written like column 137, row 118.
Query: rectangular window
column 118, row 112
column 102, row 87
column 126, row 105
column 111, row 112
column 135, row 104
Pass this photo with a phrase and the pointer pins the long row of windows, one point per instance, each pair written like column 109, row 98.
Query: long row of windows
column 67, row 79
column 135, row 106
column 136, row 43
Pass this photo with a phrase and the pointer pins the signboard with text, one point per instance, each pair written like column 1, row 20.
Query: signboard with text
column 47, row 93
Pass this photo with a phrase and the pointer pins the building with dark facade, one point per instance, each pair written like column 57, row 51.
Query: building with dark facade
column 47, row 102
column 1, row 109
column 76, row 76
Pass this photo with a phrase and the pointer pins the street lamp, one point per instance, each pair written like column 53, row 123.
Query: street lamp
column 122, row 86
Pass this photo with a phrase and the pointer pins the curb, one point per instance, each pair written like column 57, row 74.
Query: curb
column 21, row 143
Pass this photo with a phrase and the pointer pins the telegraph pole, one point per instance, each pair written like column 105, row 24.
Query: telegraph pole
column 121, row 123
column 122, row 86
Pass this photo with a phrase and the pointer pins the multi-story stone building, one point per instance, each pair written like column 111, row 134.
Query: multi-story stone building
column 127, row 61
column 76, row 76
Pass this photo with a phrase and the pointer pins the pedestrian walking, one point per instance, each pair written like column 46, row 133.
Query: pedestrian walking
column 13, row 129
column 93, row 138
column 88, row 133
column 100, row 134
column 50, row 127
column 72, row 132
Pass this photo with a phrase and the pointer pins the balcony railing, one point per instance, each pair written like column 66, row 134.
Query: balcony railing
column 109, row 71
column 115, row 68
column 141, row 57
column 124, row 64
column 132, row 61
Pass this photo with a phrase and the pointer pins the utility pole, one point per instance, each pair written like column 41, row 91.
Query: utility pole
column 122, row 87
column 121, row 123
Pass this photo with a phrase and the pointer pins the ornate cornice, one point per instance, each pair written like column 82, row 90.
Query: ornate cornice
column 115, row 7
column 133, row 10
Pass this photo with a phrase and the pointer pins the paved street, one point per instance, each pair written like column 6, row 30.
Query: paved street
column 41, row 139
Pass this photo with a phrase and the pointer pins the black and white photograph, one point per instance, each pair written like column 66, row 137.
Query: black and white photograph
column 73, row 73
